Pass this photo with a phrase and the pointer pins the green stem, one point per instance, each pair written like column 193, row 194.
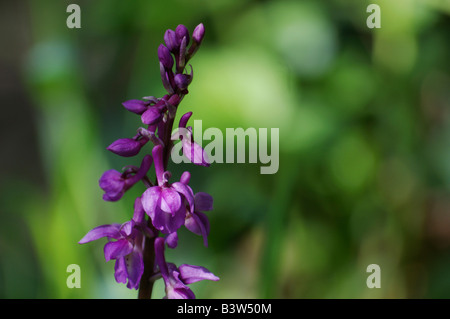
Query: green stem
column 276, row 221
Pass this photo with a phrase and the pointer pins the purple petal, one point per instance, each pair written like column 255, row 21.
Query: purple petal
column 112, row 198
column 139, row 212
column 181, row 31
column 112, row 184
column 182, row 52
column 203, row 202
column 120, row 271
column 190, row 274
column 193, row 224
column 172, row 240
column 150, row 200
column 197, row 37
column 174, row 100
column 143, row 169
column 157, row 153
column 199, row 33
column 166, row 78
column 160, row 259
column 187, row 192
column 179, row 292
column 145, row 166
column 165, row 57
column 198, row 223
column 204, row 222
column 127, row 228
column 136, row 106
column 170, row 39
column 184, row 119
column 185, row 178
column 116, row 249
column 151, row 116
column 166, row 223
column 170, row 201
column 182, row 81
column 195, row 153
column 135, row 268
column 110, row 231
column 129, row 267
column 176, row 289
column 125, row 147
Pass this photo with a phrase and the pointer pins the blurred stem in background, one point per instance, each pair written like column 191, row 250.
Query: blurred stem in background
column 68, row 139
column 275, row 227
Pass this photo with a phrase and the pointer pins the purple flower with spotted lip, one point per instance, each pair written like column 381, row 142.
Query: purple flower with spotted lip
column 164, row 203
column 197, row 222
column 177, row 279
column 125, row 247
column 115, row 184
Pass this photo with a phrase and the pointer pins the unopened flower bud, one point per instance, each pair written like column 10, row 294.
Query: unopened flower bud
column 182, row 81
column 174, row 100
column 113, row 184
column 151, row 116
column 165, row 57
column 170, row 39
column 136, row 106
column 126, row 147
column 199, row 33
column 181, row 31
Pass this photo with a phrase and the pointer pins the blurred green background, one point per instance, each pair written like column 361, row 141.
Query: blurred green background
column 364, row 119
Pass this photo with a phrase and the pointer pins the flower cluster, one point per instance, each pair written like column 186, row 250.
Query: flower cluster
column 165, row 205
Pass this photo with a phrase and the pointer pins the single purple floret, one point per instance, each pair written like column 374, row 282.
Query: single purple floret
column 193, row 151
column 165, row 203
column 115, row 184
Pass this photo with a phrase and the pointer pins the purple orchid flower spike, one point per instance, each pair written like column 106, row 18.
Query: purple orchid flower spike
column 126, row 250
column 194, row 152
column 137, row 246
column 115, row 184
column 164, row 203
column 177, row 279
